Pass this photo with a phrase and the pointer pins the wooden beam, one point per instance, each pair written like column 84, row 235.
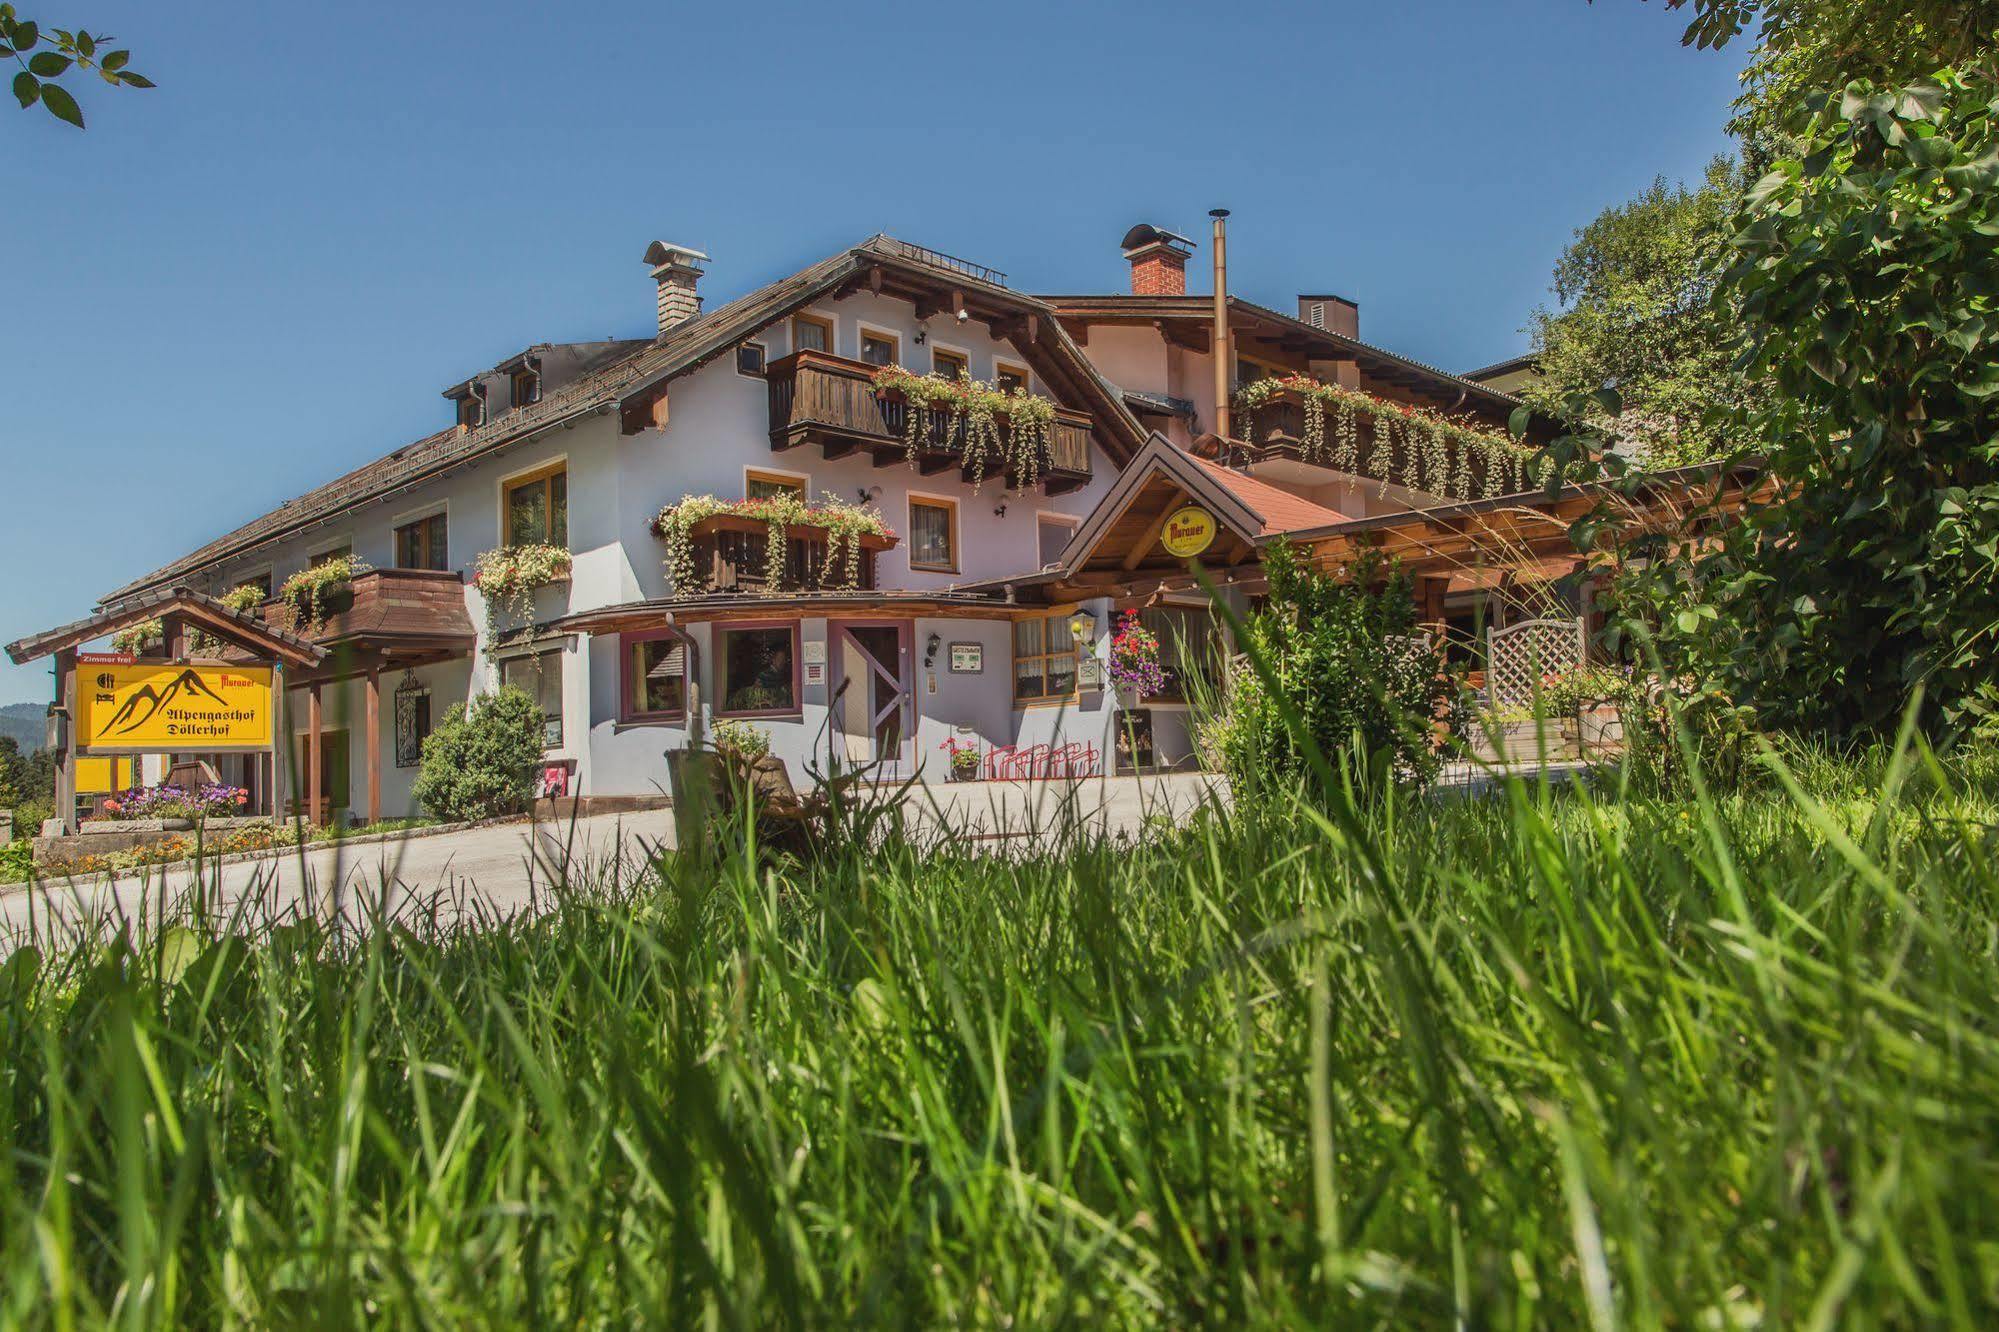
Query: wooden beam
column 1143, row 546
column 875, row 278
column 957, row 303
column 65, row 810
column 374, row 711
column 312, row 750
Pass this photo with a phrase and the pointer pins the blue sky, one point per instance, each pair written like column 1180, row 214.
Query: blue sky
column 262, row 273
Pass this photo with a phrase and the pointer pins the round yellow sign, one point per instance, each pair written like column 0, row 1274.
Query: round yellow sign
column 1189, row 530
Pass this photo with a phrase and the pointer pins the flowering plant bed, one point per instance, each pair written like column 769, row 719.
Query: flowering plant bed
column 849, row 529
column 1021, row 450
column 508, row 578
column 1134, row 663
column 1407, row 445
column 176, row 802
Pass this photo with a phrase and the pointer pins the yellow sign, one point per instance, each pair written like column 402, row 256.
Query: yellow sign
column 1189, row 530
column 104, row 776
column 158, row 705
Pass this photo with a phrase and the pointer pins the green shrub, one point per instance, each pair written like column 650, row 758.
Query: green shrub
column 1351, row 669
column 480, row 763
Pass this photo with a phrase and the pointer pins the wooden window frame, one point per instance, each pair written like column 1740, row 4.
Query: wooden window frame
column 959, row 353
column 332, row 550
column 727, row 627
column 470, row 411
column 543, row 474
column 950, row 506
column 544, row 647
column 628, row 709
column 405, row 521
column 532, row 379
column 822, row 322
column 763, row 359
column 1001, row 367
column 1044, row 657
column 268, row 573
column 890, row 336
column 1044, row 519
column 772, row 476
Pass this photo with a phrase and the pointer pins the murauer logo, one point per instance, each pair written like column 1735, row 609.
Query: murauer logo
column 130, row 717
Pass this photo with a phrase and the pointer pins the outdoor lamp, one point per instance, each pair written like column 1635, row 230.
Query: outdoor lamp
column 930, row 650
column 1081, row 627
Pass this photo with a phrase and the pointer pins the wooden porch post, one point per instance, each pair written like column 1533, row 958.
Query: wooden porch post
column 374, row 710
column 313, row 780
column 279, row 735
column 66, row 756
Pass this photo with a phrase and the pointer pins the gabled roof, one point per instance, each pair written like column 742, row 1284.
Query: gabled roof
column 1199, row 310
column 1250, row 509
column 245, row 629
column 648, row 366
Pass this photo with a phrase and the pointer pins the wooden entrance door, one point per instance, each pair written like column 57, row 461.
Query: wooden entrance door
column 876, row 711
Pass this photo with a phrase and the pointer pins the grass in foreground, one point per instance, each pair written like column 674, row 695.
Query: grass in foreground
column 1540, row 1060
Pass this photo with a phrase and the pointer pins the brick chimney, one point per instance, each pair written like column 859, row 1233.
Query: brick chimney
column 676, row 269
column 1158, row 261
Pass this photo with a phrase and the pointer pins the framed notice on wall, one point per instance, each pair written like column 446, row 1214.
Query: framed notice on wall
column 968, row 658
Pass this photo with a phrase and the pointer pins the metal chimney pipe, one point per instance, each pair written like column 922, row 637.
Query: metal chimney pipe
column 1223, row 350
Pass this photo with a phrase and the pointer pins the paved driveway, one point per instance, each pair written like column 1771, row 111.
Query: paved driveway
column 502, row 868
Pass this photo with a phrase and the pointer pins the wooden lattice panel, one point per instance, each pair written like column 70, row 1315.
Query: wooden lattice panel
column 1517, row 656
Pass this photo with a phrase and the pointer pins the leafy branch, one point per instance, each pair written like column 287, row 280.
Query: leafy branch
column 46, row 57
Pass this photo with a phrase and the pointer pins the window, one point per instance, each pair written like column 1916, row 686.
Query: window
column 655, row 676
column 750, row 358
column 1044, row 659
column 759, row 669
column 471, row 411
column 769, row 485
column 949, row 364
column 880, row 348
column 933, row 534
column 1053, row 534
column 1009, row 377
column 1188, row 646
column 1249, row 370
column 811, row 333
column 420, row 544
column 540, row 675
column 344, row 551
column 262, row 582
column 537, row 509
column 524, row 387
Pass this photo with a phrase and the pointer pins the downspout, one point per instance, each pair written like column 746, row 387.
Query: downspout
column 1223, row 350
column 694, row 727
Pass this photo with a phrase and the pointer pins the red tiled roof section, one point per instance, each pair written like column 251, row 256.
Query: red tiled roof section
column 1282, row 511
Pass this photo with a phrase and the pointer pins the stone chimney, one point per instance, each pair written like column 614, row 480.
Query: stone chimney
column 1335, row 314
column 676, row 269
column 1158, row 260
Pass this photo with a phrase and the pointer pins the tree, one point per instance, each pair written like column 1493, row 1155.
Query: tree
column 1636, row 289
column 1866, row 272
column 45, row 58
column 1807, row 45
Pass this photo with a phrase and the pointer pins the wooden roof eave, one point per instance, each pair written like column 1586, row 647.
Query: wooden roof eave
column 237, row 628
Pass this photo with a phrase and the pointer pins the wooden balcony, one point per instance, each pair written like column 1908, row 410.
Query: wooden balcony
column 386, row 618
column 831, row 402
column 1273, row 446
column 732, row 552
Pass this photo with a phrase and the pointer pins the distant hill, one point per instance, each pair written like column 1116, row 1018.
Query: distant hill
column 27, row 723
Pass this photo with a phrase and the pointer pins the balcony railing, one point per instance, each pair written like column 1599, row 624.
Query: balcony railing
column 1278, row 429
column 831, row 401
column 386, row 608
column 732, row 553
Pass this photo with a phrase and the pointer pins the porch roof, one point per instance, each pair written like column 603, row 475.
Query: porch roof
column 658, row 612
column 245, row 630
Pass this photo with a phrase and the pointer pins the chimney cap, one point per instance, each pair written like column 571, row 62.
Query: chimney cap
column 1145, row 234
column 666, row 252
